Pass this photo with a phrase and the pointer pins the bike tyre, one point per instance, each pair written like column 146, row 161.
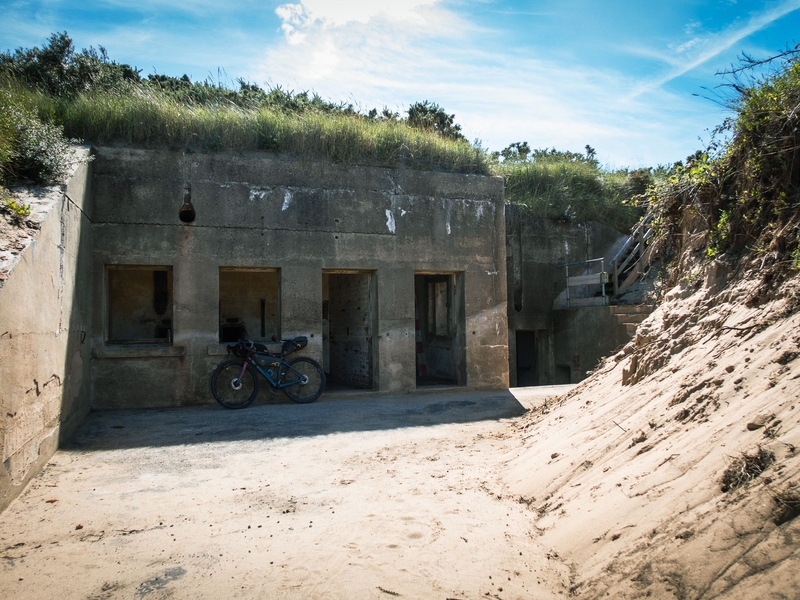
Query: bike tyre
column 303, row 393
column 221, row 384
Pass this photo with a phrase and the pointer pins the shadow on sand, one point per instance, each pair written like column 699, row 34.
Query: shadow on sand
column 120, row 429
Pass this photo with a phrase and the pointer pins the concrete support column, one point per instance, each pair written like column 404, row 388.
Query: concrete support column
column 396, row 334
column 486, row 330
column 301, row 306
column 195, row 316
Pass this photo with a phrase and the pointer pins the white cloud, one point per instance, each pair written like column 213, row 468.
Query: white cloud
column 295, row 19
column 700, row 50
column 340, row 12
column 499, row 96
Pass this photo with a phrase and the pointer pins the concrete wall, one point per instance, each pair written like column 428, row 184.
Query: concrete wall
column 582, row 337
column 256, row 211
column 534, row 248
column 45, row 313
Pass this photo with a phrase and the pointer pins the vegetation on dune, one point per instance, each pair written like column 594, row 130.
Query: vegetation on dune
column 103, row 102
column 568, row 186
column 743, row 195
column 55, row 94
column 31, row 149
column 143, row 117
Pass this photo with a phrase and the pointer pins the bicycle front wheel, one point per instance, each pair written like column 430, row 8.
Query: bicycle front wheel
column 231, row 391
column 305, row 377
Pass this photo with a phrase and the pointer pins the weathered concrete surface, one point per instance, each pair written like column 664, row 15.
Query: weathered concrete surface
column 534, row 248
column 45, row 312
column 301, row 218
column 344, row 498
column 583, row 337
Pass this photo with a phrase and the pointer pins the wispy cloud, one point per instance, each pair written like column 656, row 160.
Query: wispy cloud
column 499, row 96
column 700, row 49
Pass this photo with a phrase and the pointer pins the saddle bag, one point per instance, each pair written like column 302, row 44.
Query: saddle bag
column 294, row 344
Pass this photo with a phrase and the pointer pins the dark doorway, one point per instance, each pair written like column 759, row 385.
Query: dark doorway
column 440, row 348
column 347, row 329
column 527, row 369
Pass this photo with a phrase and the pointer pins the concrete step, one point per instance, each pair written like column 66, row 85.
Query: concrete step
column 635, row 318
column 583, row 302
column 632, row 310
column 630, row 316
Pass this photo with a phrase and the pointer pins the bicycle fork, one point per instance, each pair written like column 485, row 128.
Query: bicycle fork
column 236, row 384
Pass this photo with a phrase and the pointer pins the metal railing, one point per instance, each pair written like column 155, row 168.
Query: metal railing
column 600, row 278
column 631, row 253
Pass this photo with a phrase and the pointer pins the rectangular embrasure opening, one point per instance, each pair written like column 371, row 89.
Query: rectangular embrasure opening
column 249, row 304
column 139, row 300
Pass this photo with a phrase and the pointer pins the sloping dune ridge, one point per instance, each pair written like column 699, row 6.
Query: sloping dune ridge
column 674, row 470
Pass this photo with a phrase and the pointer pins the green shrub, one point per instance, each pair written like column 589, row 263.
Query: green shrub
column 30, row 149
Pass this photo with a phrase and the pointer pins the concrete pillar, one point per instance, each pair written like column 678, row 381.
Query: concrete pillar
column 396, row 349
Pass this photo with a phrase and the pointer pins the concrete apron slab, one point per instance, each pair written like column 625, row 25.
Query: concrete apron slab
column 349, row 497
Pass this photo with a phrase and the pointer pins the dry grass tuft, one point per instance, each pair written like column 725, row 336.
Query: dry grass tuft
column 787, row 505
column 746, row 467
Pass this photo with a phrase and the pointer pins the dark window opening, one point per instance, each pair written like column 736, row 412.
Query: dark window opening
column 249, row 304
column 139, row 304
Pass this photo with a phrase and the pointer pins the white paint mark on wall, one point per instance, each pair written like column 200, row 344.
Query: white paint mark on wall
column 479, row 210
column 287, row 200
column 256, row 194
column 403, row 212
column 390, row 221
column 491, row 272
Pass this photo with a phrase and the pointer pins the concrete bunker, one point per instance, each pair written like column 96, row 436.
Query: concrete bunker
column 139, row 304
column 249, row 304
column 281, row 247
column 556, row 335
column 348, row 314
column 440, row 335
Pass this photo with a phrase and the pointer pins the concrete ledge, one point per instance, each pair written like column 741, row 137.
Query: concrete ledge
column 138, row 351
column 217, row 349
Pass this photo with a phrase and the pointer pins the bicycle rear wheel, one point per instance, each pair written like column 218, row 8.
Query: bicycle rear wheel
column 307, row 378
column 228, row 389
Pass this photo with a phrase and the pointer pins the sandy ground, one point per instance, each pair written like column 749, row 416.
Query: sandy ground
column 615, row 488
column 370, row 497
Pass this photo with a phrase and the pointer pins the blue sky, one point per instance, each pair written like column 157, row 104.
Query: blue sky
column 627, row 77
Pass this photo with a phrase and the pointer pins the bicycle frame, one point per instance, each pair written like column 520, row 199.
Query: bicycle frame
column 250, row 360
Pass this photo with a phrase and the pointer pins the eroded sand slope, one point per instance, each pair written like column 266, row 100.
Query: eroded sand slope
column 624, row 475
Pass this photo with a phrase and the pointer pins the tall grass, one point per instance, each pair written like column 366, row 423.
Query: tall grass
column 139, row 116
column 566, row 190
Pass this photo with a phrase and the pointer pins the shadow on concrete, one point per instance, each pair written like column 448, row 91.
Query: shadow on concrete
column 120, row 429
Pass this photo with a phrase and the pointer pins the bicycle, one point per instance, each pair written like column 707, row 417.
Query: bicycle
column 234, row 382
